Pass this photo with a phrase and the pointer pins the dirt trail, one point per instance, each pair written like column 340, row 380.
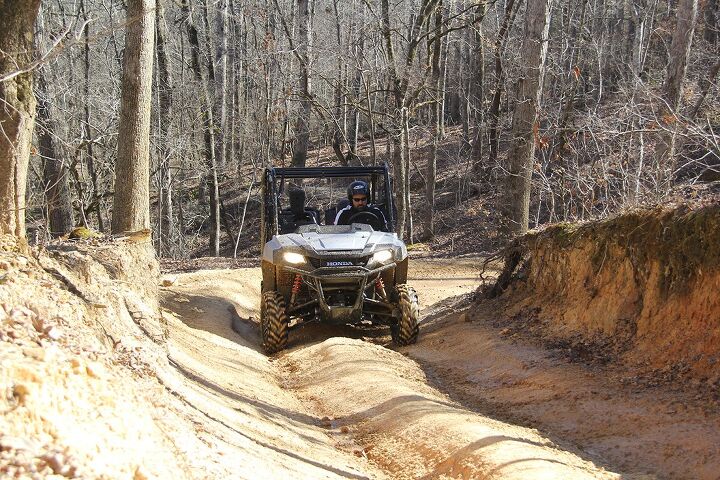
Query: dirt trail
column 335, row 406
column 340, row 407
column 410, row 429
column 256, row 428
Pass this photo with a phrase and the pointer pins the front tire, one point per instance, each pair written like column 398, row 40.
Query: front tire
column 274, row 322
column 405, row 332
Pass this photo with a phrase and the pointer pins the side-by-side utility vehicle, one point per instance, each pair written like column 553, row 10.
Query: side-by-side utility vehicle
column 314, row 270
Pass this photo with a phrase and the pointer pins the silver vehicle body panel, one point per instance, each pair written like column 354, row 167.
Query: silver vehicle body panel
column 334, row 241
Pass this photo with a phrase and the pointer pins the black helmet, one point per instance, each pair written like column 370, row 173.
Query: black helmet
column 358, row 187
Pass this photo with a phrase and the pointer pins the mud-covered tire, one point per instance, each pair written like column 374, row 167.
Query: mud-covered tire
column 274, row 323
column 406, row 330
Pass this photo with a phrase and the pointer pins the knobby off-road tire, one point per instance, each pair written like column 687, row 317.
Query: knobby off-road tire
column 274, row 322
column 406, row 330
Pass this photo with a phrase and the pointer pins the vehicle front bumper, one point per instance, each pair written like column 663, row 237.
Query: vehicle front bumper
column 355, row 277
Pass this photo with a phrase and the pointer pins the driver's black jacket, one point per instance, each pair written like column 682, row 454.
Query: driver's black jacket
column 343, row 216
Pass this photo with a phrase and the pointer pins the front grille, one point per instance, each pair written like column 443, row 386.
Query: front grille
column 346, row 262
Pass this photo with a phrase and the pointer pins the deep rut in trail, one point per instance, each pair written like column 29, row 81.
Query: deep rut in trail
column 411, row 430
column 332, row 405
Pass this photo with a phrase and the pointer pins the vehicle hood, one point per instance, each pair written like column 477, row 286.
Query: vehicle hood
column 326, row 244
column 333, row 242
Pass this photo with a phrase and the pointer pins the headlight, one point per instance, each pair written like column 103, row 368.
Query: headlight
column 382, row 256
column 293, row 258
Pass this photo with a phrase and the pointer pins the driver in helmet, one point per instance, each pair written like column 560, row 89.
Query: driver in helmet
column 358, row 194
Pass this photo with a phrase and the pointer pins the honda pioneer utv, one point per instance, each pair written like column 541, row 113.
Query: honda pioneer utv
column 314, row 270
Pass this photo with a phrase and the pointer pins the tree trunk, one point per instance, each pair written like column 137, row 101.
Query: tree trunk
column 304, row 46
column 679, row 51
column 221, row 80
column 131, row 203
column 165, row 236
column 672, row 89
column 445, row 42
column 86, row 133
column 431, row 172
column 338, row 134
column 399, row 174
column 354, row 114
column 371, row 122
column 17, row 110
column 55, row 175
column 494, row 113
column 705, row 84
column 712, row 21
column 208, row 129
column 475, row 104
column 515, row 198
column 213, row 134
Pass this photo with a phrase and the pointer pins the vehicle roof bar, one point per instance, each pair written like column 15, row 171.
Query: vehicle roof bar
column 328, row 172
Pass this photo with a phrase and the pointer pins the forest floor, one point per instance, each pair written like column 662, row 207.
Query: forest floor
column 467, row 401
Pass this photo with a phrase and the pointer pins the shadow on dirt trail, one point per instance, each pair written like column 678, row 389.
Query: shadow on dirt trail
column 600, row 411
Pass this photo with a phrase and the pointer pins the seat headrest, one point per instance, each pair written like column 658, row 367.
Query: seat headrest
column 297, row 201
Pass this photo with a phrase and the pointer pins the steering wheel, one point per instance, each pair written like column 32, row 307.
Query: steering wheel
column 368, row 218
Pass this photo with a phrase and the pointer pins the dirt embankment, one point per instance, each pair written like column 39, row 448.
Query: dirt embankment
column 641, row 288
column 76, row 322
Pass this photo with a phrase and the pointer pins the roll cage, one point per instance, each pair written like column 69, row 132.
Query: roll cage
column 274, row 184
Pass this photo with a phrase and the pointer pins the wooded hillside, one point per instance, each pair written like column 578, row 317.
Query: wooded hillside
column 557, row 110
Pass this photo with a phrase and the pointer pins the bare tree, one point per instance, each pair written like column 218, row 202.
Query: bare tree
column 165, row 234
column 17, row 109
column 87, row 136
column 515, row 198
column 201, row 76
column 399, row 79
column 221, row 79
column 679, row 53
column 131, row 203
column 340, row 107
column 304, row 46
column 437, row 120
column 55, row 171
column 500, row 42
column 357, row 48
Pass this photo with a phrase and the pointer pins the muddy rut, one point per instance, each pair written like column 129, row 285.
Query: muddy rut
column 465, row 402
